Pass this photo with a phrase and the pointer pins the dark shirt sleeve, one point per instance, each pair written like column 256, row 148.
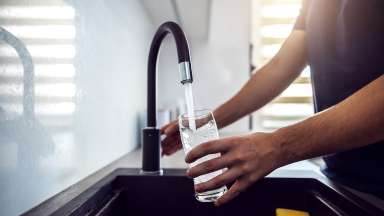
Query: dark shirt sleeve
column 301, row 19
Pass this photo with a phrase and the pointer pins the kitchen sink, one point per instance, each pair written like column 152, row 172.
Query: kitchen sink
column 127, row 192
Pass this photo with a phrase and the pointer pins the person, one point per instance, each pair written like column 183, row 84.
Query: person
column 343, row 43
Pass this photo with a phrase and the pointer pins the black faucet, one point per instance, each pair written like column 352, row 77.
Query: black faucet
column 151, row 134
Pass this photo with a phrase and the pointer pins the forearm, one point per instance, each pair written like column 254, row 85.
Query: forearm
column 263, row 86
column 268, row 82
column 355, row 122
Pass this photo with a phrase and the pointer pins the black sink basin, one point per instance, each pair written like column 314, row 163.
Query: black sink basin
column 126, row 192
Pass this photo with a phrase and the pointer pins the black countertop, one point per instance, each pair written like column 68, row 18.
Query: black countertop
column 58, row 201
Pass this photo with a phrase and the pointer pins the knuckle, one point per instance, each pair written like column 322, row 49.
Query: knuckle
column 253, row 178
column 216, row 182
column 235, row 193
column 241, row 187
column 206, row 146
column 193, row 171
column 245, row 168
column 229, row 196
column 209, row 165
column 213, row 183
column 238, row 157
column 250, row 179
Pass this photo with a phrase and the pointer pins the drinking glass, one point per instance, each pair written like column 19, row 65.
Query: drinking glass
column 205, row 130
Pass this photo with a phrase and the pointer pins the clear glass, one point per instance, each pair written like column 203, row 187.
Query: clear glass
column 206, row 130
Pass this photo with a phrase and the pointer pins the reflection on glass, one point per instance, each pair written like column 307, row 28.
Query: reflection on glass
column 61, row 12
column 34, row 148
column 51, row 79
column 89, row 90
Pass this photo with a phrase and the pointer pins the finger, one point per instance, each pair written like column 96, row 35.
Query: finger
column 220, row 180
column 211, row 147
column 173, row 128
column 168, row 127
column 170, row 150
column 167, row 150
column 172, row 147
column 169, row 140
column 239, row 186
column 162, row 129
column 210, row 166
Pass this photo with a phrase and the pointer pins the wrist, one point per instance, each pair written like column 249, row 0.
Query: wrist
column 219, row 118
column 285, row 140
column 225, row 115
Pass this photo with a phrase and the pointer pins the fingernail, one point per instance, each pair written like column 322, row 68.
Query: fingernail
column 186, row 159
column 188, row 172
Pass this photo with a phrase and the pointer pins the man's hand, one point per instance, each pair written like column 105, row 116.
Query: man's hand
column 248, row 158
column 172, row 142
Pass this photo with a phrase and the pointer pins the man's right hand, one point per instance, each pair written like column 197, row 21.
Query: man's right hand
column 171, row 142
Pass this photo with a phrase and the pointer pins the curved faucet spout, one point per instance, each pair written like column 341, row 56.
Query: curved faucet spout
column 180, row 39
column 184, row 64
column 151, row 134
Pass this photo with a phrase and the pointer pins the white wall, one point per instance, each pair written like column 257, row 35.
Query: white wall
column 112, row 58
column 220, row 64
column 111, row 44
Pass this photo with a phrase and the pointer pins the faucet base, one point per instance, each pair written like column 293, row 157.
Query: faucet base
column 158, row 172
column 151, row 150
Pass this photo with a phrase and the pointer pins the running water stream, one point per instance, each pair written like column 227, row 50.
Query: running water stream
column 190, row 106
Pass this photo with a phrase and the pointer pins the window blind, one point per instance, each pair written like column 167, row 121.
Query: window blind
column 48, row 31
column 272, row 22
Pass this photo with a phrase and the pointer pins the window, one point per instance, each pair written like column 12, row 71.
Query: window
column 47, row 30
column 272, row 21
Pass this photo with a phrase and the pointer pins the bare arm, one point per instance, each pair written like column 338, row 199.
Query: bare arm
column 268, row 82
column 355, row 122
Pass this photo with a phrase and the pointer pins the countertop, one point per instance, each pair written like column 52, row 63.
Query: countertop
column 133, row 160
column 176, row 160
